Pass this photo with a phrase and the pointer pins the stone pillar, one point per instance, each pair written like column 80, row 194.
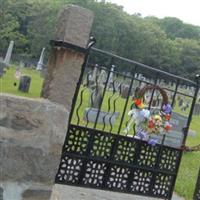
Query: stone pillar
column 67, row 55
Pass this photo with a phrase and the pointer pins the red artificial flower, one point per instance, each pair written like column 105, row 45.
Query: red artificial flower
column 137, row 102
column 150, row 123
column 167, row 117
column 168, row 127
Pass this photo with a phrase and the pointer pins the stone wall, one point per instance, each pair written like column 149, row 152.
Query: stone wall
column 32, row 133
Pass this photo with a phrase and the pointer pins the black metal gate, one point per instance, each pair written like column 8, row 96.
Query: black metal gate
column 99, row 151
column 197, row 188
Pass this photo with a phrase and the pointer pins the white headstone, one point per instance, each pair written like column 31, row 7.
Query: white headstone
column 21, row 64
column 18, row 73
column 110, row 80
column 95, row 71
column 40, row 63
column 9, row 53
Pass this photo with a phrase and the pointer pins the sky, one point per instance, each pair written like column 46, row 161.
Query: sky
column 186, row 10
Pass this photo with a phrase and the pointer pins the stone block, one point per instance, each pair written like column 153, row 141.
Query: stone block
column 74, row 25
column 36, row 195
column 64, row 65
column 32, row 133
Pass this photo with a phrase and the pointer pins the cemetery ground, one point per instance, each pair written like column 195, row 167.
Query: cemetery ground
column 190, row 163
column 9, row 84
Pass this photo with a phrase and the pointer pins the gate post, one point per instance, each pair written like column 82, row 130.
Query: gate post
column 67, row 54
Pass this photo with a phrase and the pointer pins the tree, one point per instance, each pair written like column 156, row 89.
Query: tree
column 167, row 44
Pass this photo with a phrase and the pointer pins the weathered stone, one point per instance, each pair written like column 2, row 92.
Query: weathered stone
column 14, row 190
column 63, row 71
column 20, row 122
column 64, row 65
column 32, row 133
column 74, row 25
column 27, row 164
column 66, row 192
column 36, row 195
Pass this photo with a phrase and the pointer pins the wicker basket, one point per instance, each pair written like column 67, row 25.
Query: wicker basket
column 142, row 91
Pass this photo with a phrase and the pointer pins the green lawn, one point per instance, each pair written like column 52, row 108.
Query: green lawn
column 8, row 80
column 189, row 166
column 190, row 162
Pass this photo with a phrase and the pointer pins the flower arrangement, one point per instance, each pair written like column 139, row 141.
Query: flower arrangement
column 146, row 122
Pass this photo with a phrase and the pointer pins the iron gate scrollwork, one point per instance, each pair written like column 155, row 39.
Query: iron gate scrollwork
column 99, row 152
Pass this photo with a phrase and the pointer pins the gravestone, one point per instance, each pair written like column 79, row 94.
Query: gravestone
column 9, row 53
column 40, row 63
column 2, row 68
column 110, row 79
column 106, row 118
column 124, row 92
column 18, row 73
column 92, row 76
column 21, row 64
column 24, row 83
column 4, row 63
column 96, row 98
column 185, row 106
column 96, row 95
column 196, row 109
column 180, row 102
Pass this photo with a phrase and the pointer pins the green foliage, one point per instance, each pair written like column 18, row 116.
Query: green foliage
column 167, row 44
column 175, row 28
column 13, row 20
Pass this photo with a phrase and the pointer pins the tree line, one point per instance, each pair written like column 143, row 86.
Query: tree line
column 167, row 44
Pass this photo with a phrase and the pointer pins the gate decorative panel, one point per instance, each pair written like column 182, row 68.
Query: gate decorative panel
column 115, row 162
column 101, row 149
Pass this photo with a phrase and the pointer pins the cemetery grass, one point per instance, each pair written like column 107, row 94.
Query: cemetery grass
column 191, row 161
column 8, row 80
column 190, row 164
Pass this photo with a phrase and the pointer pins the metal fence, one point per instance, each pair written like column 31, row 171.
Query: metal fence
column 197, row 188
column 101, row 150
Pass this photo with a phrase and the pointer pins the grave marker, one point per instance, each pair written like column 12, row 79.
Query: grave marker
column 40, row 63
column 9, row 53
column 197, row 109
